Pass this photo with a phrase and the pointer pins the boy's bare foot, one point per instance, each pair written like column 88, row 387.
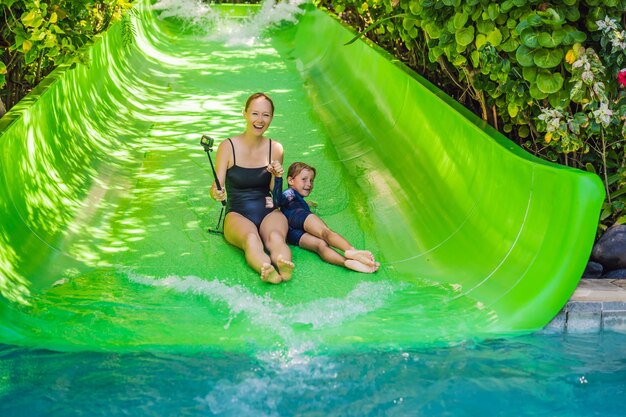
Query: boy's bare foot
column 363, row 256
column 357, row 266
column 285, row 268
column 270, row 274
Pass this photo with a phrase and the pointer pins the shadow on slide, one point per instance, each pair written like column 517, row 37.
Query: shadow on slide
column 104, row 204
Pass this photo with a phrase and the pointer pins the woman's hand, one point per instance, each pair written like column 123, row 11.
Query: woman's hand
column 217, row 195
column 276, row 169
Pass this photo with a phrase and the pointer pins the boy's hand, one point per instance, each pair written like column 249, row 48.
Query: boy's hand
column 268, row 202
column 276, row 169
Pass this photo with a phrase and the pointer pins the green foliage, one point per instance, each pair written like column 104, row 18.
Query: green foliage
column 37, row 36
column 545, row 73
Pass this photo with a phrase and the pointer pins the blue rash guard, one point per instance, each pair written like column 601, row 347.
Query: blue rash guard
column 293, row 206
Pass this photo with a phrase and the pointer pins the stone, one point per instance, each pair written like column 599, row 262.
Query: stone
column 610, row 249
column 615, row 274
column 593, row 270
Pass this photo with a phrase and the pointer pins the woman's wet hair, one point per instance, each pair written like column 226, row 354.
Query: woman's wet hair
column 259, row 95
column 297, row 167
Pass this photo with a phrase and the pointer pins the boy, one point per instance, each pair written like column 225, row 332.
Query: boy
column 306, row 229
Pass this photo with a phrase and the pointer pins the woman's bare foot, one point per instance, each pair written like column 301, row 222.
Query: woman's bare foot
column 363, row 256
column 285, row 268
column 360, row 267
column 270, row 274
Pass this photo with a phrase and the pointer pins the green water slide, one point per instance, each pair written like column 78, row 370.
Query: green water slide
column 104, row 204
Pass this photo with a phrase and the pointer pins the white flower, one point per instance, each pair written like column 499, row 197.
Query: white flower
column 603, row 115
column 607, row 25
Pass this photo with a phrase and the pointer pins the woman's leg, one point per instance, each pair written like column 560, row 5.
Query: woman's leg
column 273, row 233
column 242, row 233
column 316, row 226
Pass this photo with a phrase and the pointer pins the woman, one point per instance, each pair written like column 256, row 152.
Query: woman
column 244, row 167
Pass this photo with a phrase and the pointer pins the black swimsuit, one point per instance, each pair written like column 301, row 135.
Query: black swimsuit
column 247, row 188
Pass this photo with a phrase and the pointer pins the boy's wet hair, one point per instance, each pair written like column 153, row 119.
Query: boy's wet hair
column 259, row 95
column 297, row 167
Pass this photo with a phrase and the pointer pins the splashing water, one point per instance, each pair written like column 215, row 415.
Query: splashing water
column 266, row 313
column 218, row 26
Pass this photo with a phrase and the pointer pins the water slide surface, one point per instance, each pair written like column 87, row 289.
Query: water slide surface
column 104, row 204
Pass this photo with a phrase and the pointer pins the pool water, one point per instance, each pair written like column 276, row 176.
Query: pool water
column 535, row 375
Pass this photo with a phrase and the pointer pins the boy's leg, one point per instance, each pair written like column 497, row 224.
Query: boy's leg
column 317, row 245
column 316, row 226
column 328, row 254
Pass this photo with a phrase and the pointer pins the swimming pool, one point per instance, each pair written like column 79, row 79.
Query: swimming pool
column 536, row 375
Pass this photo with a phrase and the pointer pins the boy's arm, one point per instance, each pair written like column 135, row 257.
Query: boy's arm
column 277, row 192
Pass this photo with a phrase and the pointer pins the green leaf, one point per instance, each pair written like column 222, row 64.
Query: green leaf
column 415, row 7
column 31, row 55
column 506, row 6
column 560, row 99
column 548, row 82
column 480, row 40
column 459, row 61
column 460, row 19
column 485, row 26
column 572, row 14
column 573, row 36
column 530, row 73
column 552, row 40
column 495, row 37
column 536, row 93
column 513, row 109
column 524, row 56
column 590, row 168
column 548, row 58
column 32, row 19
column 464, row 36
column 433, row 30
column 530, row 21
column 530, row 38
column 523, row 131
column 493, row 11
column 510, row 45
column 408, row 23
column 551, row 17
column 3, row 68
column 475, row 57
column 434, row 53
